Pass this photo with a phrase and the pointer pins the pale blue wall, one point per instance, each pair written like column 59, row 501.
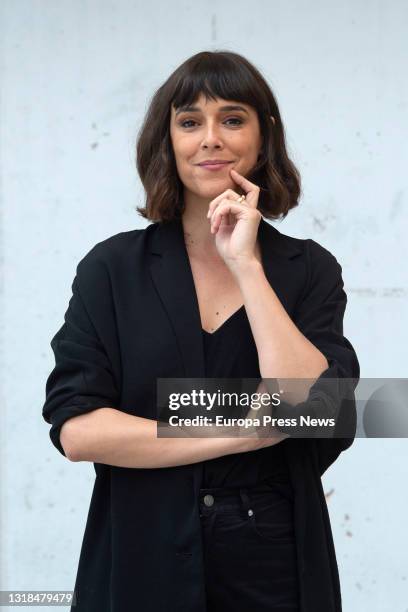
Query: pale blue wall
column 76, row 78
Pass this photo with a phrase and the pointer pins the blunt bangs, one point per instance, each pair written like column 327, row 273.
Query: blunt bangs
column 217, row 78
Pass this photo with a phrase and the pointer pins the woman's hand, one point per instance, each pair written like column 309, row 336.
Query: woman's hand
column 235, row 224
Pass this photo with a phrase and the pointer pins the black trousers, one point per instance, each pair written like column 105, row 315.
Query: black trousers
column 249, row 548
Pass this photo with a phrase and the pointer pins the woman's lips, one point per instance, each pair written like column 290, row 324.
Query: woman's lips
column 214, row 166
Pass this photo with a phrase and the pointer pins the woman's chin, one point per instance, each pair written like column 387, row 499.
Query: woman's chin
column 216, row 188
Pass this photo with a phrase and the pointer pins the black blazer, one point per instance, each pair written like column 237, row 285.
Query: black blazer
column 133, row 317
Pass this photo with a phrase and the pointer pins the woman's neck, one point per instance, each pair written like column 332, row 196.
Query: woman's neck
column 197, row 232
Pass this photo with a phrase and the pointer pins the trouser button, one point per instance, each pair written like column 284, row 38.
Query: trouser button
column 208, row 500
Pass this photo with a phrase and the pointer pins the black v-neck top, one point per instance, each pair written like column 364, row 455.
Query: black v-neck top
column 230, row 352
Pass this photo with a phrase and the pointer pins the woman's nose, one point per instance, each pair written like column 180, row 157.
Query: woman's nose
column 211, row 135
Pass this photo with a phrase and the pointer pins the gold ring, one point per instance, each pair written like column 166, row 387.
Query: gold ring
column 241, row 198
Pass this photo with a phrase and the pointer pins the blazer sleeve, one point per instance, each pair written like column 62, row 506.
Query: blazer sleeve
column 83, row 378
column 319, row 316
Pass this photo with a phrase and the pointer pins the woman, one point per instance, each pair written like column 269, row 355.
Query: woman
column 209, row 289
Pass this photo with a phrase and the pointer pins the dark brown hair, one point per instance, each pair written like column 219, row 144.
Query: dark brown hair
column 216, row 74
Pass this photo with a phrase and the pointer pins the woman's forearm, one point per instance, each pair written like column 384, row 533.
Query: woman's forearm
column 284, row 352
column 112, row 437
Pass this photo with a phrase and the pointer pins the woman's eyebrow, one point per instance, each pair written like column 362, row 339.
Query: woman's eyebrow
column 197, row 109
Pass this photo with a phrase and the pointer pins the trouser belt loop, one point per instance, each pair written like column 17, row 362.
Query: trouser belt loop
column 246, row 502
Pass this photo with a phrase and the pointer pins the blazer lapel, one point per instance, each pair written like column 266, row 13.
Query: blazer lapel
column 172, row 276
column 277, row 251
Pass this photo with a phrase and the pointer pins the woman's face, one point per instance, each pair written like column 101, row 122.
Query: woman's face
column 208, row 131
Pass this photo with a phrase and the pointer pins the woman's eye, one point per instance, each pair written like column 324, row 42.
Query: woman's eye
column 235, row 119
column 183, row 123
